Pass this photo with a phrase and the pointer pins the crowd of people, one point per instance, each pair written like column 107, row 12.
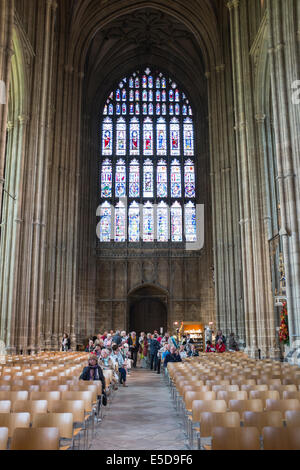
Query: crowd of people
column 120, row 352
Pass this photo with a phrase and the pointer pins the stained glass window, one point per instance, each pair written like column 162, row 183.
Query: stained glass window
column 188, row 137
column 134, row 179
column 148, row 179
column 106, row 179
column 148, row 137
column 134, row 136
column 162, row 222
column 107, row 137
column 190, row 222
column 189, row 179
column 176, row 222
column 162, row 179
column 120, row 222
column 105, row 222
column 175, row 179
column 121, row 137
column 120, row 179
column 148, row 150
column 148, row 222
column 134, row 222
column 161, row 132
column 175, row 137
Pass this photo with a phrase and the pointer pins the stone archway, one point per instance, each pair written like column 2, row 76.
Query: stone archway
column 147, row 309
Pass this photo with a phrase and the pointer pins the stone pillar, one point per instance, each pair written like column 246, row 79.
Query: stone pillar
column 259, row 310
column 6, row 30
column 284, row 65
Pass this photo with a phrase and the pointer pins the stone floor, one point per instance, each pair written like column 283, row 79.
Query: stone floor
column 141, row 417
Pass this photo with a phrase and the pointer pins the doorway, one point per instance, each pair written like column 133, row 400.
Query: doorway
column 147, row 310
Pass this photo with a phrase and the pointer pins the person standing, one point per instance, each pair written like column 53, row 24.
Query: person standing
column 133, row 347
column 220, row 335
column 117, row 339
column 117, row 355
column 66, row 343
column 154, row 348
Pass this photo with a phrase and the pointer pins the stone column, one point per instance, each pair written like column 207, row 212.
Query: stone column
column 284, row 65
column 258, row 303
column 6, row 30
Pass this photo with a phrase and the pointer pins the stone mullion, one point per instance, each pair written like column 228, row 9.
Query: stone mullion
column 38, row 251
column 6, row 31
column 285, row 127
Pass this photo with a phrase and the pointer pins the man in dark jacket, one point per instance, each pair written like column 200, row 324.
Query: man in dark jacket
column 117, row 339
column 154, row 348
column 174, row 356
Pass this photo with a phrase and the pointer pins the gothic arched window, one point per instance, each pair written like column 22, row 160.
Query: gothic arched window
column 148, row 157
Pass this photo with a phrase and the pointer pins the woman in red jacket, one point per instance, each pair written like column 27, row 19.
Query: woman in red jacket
column 220, row 346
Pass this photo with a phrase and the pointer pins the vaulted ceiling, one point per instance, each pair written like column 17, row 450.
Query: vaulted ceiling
column 145, row 37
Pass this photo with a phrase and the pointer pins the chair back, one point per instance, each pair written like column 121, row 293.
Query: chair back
column 235, row 438
column 35, row 439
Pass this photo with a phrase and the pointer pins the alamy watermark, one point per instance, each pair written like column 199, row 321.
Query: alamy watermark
column 296, row 92
column 2, row 352
column 196, row 245
column 2, row 92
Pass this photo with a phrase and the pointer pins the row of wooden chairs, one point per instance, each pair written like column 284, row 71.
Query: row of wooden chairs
column 199, row 388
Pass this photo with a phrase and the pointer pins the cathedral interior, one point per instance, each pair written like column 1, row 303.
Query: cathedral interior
column 235, row 102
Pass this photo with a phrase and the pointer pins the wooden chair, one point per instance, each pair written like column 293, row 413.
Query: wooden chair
column 3, row 438
column 282, row 405
column 13, row 421
column 271, row 394
column 288, row 395
column 77, row 408
column 33, row 407
column 260, row 419
column 62, row 421
column 292, row 418
column 235, row 438
column 227, row 396
column 209, row 420
column 48, row 396
column 14, row 396
column 225, row 388
column 277, row 438
column 35, row 439
column 283, row 388
column 5, row 406
column 245, row 405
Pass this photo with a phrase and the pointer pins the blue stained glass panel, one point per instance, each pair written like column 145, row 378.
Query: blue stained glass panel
column 105, row 222
column 176, row 222
column 134, row 223
column 190, row 223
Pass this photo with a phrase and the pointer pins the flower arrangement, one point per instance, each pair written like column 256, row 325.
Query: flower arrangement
column 284, row 329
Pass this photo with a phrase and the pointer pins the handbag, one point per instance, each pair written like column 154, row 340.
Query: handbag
column 104, row 399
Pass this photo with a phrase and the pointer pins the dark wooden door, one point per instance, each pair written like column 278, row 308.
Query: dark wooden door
column 147, row 315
